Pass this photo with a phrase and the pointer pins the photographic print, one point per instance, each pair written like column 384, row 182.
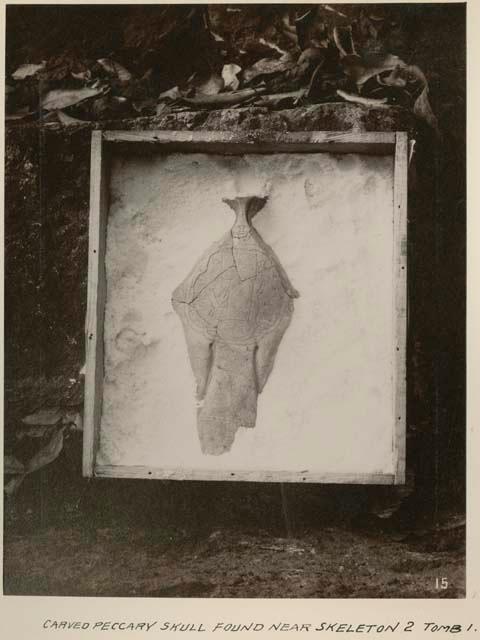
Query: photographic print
column 235, row 253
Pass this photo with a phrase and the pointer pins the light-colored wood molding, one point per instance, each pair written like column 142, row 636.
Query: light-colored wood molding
column 242, row 475
column 95, row 302
column 378, row 143
column 400, row 196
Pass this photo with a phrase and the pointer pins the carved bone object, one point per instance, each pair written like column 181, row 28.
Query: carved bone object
column 235, row 306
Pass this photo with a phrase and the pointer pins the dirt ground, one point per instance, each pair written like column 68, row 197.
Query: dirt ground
column 328, row 562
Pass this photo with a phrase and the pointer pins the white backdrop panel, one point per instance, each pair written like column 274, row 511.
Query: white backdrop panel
column 328, row 404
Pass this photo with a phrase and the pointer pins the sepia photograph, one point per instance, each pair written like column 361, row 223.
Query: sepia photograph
column 235, row 301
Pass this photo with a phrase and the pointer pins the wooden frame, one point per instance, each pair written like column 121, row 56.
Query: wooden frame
column 395, row 144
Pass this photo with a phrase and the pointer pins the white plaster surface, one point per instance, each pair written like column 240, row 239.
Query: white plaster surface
column 328, row 404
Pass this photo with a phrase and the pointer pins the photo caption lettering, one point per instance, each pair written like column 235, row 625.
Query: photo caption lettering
column 257, row 627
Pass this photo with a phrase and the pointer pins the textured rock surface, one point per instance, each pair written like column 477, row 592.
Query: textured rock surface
column 235, row 306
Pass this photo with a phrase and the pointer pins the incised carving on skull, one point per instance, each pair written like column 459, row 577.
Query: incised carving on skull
column 235, row 306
